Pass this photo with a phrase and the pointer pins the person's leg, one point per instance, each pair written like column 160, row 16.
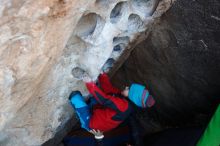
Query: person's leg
column 135, row 128
column 81, row 108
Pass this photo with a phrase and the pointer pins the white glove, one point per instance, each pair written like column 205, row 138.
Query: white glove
column 97, row 133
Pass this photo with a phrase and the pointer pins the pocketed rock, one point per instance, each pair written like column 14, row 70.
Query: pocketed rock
column 41, row 41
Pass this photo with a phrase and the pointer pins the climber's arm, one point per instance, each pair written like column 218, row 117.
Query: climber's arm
column 98, row 94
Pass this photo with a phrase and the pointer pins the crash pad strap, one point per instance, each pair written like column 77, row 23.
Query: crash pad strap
column 211, row 136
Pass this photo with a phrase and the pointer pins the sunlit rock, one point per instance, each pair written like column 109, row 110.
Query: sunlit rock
column 41, row 41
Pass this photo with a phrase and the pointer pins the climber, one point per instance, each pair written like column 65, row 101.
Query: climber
column 112, row 108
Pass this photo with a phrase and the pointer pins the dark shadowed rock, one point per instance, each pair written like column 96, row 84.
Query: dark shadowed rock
column 180, row 64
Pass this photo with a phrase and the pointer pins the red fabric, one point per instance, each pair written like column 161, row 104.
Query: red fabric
column 106, row 85
column 101, row 118
column 93, row 88
column 121, row 103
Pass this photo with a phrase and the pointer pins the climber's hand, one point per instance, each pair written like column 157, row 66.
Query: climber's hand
column 97, row 133
column 86, row 78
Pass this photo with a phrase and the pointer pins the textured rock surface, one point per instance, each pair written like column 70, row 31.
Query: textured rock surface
column 180, row 63
column 42, row 40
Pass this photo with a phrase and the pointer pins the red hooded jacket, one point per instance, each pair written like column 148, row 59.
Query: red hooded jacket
column 113, row 110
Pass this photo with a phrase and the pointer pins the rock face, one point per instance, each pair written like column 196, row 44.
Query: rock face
column 42, row 40
column 180, row 64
